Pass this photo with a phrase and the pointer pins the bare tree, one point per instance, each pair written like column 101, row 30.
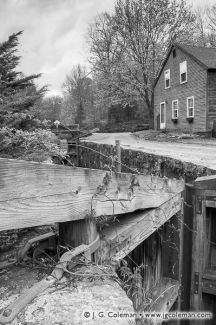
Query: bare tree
column 79, row 92
column 205, row 30
column 127, row 48
column 211, row 15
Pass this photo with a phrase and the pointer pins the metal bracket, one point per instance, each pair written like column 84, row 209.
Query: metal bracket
column 199, row 204
column 196, row 282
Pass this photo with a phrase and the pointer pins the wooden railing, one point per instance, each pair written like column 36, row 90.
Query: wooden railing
column 34, row 194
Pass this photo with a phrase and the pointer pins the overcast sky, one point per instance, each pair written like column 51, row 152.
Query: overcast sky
column 54, row 34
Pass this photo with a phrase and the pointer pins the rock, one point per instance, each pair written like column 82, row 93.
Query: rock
column 91, row 299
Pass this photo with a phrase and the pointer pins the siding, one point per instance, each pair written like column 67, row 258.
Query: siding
column 195, row 86
column 211, row 98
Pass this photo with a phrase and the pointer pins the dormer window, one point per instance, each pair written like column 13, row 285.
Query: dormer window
column 167, row 78
column 183, row 72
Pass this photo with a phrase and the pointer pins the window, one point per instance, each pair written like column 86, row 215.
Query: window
column 167, row 78
column 175, row 109
column 190, row 106
column 183, row 72
column 174, row 53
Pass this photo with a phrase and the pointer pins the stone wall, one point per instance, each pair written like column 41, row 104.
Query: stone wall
column 100, row 156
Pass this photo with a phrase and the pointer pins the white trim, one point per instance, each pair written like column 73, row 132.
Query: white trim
column 175, row 101
column 163, row 125
column 181, row 72
column 192, row 97
column 168, row 70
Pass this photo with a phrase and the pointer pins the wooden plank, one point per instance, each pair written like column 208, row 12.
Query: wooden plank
column 206, row 183
column 209, row 282
column 210, row 204
column 204, row 196
column 163, row 295
column 34, row 194
column 118, row 154
column 181, row 252
column 209, row 287
column 130, row 230
column 198, row 253
column 185, row 284
column 75, row 233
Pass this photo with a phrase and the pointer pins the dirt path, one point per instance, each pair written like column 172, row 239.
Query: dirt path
column 203, row 153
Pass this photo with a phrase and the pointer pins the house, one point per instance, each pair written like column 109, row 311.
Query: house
column 185, row 89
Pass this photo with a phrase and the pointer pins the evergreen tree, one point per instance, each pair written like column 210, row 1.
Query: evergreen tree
column 18, row 93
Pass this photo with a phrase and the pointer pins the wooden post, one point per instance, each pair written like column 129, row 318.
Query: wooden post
column 186, row 249
column 118, row 154
column 75, row 233
column 181, row 238
column 78, row 232
column 203, row 283
column 197, row 250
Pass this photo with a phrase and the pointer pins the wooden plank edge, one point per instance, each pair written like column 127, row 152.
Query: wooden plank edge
column 136, row 234
column 166, row 297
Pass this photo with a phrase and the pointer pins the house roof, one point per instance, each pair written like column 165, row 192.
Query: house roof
column 206, row 55
column 202, row 55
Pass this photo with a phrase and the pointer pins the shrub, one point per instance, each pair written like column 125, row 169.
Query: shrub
column 38, row 145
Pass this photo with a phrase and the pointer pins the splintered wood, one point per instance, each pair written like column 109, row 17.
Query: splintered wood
column 34, row 194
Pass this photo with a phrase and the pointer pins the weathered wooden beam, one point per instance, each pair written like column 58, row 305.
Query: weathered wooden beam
column 199, row 240
column 206, row 183
column 211, row 203
column 34, row 194
column 186, row 258
column 118, row 154
column 209, row 282
column 163, row 295
column 130, row 230
column 161, row 298
column 77, row 232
